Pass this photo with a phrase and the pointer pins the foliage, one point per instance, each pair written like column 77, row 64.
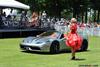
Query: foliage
column 55, row 7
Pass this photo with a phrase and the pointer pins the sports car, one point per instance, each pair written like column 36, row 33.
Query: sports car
column 50, row 41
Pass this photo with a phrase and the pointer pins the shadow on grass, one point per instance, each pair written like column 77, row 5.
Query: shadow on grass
column 36, row 52
column 48, row 53
column 79, row 59
column 84, row 51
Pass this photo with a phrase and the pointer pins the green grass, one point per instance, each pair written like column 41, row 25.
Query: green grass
column 11, row 56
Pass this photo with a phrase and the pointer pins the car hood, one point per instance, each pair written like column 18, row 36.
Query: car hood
column 40, row 39
column 37, row 40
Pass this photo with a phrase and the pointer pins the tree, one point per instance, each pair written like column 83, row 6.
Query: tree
column 96, row 7
column 55, row 7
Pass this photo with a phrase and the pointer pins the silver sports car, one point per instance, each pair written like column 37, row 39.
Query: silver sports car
column 50, row 41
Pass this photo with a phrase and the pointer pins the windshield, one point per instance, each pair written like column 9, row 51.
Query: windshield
column 54, row 35
column 50, row 34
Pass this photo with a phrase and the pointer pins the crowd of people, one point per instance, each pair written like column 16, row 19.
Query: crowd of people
column 38, row 20
column 13, row 20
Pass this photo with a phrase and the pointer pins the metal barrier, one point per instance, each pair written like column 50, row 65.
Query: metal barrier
column 95, row 31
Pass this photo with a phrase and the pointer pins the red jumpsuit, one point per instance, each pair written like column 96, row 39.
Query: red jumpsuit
column 73, row 39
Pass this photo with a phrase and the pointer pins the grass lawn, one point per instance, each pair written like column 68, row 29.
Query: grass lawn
column 12, row 56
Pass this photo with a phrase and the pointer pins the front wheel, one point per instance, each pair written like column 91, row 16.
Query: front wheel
column 54, row 47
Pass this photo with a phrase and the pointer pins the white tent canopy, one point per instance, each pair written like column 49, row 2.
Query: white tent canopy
column 13, row 4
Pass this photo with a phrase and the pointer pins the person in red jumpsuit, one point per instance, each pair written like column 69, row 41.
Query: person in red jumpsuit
column 73, row 40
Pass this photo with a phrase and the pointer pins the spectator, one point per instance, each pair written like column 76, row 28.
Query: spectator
column 34, row 20
column 4, row 16
column 1, row 21
column 24, row 19
column 44, row 14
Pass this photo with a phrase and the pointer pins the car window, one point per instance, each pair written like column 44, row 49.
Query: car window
column 62, row 36
column 55, row 35
column 51, row 34
column 46, row 33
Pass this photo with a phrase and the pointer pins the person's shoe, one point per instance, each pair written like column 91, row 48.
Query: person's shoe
column 73, row 58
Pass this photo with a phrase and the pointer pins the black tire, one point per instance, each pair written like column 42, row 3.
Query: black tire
column 84, row 46
column 54, row 48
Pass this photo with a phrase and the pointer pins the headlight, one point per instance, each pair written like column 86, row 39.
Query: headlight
column 48, row 41
column 39, row 42
column 27, row 41
column 23, row 40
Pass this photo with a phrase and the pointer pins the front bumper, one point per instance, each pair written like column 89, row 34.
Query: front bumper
column 44, row 48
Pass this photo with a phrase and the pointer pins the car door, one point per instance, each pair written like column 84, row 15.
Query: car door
column 62, row 42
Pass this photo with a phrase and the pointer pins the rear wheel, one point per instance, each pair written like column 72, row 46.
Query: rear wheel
column 54, row 47
column 84, row 46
